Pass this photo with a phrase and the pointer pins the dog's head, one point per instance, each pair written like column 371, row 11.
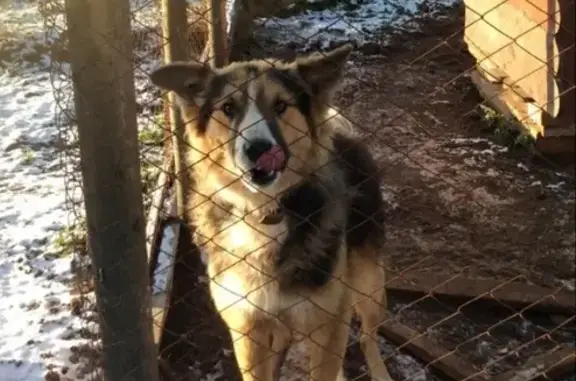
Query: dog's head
column 256, row 121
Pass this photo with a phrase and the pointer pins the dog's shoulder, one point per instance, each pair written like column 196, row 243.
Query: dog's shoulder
column 207, row 217
column 366, row 212
column 316, row 222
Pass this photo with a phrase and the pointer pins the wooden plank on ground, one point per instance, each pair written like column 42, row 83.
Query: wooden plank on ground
column 163, row 273
column 563, row 145
column 552, row 365
column 156, row 242
column 158, row 197
column 447, row 363
column 512, row 294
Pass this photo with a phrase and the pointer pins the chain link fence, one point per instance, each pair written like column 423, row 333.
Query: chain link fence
column 479, row 253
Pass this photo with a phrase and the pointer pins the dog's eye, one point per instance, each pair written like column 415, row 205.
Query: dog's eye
column 280, row 107
column 228, row 109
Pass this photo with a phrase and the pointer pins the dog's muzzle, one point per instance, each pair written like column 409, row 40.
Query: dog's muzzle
column 266, row 159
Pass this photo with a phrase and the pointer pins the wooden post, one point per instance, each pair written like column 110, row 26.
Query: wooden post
column 175, row 44
column 216, row 52
column 101, row 59
column 174, row 32
column 552, row 365
column 175, row 38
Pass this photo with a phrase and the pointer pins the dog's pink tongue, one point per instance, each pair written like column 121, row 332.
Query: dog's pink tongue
column 271, row 160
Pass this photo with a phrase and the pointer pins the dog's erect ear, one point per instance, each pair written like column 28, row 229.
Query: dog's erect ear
column 186, row 79
column 322, row 71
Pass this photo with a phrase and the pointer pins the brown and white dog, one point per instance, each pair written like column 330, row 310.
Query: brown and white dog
column 287, row 206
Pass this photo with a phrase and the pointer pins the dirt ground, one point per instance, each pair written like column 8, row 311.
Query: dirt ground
column 459, row 203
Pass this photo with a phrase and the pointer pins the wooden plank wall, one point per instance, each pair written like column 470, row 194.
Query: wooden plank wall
column 528, row 47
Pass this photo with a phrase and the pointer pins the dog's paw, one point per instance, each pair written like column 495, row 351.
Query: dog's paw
column 341, row 376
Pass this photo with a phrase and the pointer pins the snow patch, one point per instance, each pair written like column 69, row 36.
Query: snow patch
column 164, row 263
column 353, row 20
column 38, row 329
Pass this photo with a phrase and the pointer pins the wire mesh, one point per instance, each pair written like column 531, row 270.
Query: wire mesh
column 479, row 225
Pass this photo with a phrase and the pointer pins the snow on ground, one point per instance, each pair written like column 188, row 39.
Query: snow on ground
column 38, row 333
column 360, row 21
column 37, row 328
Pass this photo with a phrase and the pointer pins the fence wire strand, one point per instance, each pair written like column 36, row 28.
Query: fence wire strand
column 479, row 252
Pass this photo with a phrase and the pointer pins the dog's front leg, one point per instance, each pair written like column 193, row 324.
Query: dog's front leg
column 328, row 347
column 253, row 355
column 258, row 347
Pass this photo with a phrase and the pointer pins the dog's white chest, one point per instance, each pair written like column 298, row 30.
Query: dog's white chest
column 249, row 240
column 242, row 272
column 241, row 289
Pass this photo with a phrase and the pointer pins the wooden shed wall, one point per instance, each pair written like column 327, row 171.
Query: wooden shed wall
column 529, row 45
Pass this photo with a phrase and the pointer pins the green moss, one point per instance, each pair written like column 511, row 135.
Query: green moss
column 28, row 155
column 505, row 131
column 71, row 240
column 153, row 133
column 152, row 140
column 151, row 136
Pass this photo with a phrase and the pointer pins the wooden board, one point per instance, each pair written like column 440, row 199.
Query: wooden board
column 430, row 352
column 532, row 44
column 519, row 39
column 155, row 240
column 163, row 273
column 509, row 102
column 563, row 146
column 461, row 289
column 158, row 197
column 552, row 365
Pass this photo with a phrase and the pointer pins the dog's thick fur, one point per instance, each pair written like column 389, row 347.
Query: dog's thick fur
column 308, row 272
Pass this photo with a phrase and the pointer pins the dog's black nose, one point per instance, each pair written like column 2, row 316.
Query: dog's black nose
column 255, row 148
